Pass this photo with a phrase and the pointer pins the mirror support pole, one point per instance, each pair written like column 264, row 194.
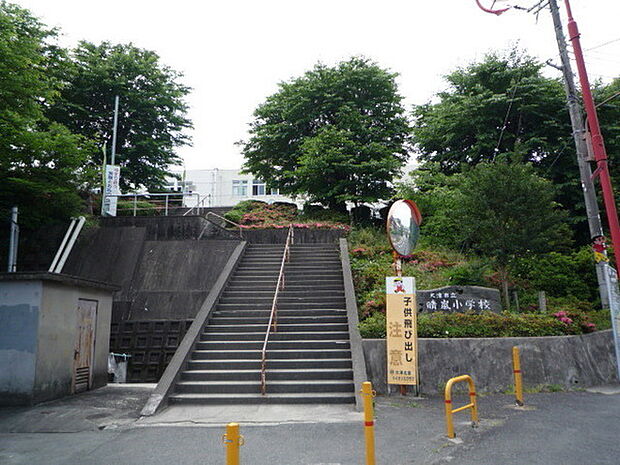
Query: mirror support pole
column 398, row 264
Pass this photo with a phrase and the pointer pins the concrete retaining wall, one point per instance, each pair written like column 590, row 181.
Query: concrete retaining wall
column 160, row 228
column 569, row 361
column 160, row 278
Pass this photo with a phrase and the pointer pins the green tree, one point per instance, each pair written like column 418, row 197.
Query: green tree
column 609, row 116
column 40, row 160
column 498, row 210
column 335, row 134
column 500, row 105
column 152, row 116
column 504, row 108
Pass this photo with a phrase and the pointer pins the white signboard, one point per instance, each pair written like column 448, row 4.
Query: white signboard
column 611, row 277
column 112, row 187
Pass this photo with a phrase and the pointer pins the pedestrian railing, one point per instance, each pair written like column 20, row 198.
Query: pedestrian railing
column 160, row 204
column 448, row 403
column 200, row 204
column 67, row 244
column 273, row 317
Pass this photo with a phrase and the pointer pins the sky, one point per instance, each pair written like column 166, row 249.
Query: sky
column 234, row 53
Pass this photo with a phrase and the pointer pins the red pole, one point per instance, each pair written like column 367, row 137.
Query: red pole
column 598, row 145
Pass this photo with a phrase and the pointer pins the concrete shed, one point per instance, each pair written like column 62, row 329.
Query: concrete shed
column 54, row 336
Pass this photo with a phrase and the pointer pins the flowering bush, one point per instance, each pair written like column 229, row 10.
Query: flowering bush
column 260, row 215
column 576, row 321
column 359, row 252
column 435, row 265
column 563, row 317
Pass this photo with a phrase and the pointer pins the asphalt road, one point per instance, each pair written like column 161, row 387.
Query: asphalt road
column 566, row 428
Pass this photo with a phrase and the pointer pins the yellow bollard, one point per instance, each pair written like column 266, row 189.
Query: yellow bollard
column 369, row 424
column 232, row 440
column 516, row 369
column 448, row 403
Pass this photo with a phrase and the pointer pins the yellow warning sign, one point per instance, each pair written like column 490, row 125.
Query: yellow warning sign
column 401, row 331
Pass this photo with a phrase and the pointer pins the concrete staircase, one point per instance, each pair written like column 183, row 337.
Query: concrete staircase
column 308, row 358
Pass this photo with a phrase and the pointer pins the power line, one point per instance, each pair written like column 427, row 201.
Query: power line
column 603, row 44
column 501, row 134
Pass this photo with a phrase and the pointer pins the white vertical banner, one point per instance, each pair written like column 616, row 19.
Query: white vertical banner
column 611, row 278
column 401, row 331
column 112, row 188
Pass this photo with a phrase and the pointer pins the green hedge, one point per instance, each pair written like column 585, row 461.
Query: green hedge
column 444, row 325
column 143, row 208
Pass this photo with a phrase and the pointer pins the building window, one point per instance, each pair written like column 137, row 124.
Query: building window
column 258, row 187
column 240, row 188
column 274, row 191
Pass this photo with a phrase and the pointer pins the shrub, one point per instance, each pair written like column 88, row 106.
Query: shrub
column 560, row 275
column 143, row 208
column 373, row 327
column 254, row 214
column 488, row 324
column 472, row 273
column 601, row 319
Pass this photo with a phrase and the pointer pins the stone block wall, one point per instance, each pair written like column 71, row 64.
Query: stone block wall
column 568, row 361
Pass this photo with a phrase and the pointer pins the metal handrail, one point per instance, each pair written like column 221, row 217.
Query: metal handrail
column 273, row 318
column 222, row 218
column 199, row 205
column 67, row 244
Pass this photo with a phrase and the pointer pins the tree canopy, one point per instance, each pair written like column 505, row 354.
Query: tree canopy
column 152, row 116
column 335, row 134
column 502, row 105
column 503, row 108
column 40, row 160
column 498, row 210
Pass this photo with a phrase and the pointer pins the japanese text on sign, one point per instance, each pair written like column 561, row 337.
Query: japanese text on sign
column 401, row 330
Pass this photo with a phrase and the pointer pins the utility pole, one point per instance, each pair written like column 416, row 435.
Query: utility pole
column 114, row 129
column 598, row 145
column 579, row 134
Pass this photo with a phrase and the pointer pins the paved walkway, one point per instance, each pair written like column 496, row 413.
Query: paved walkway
column 102, row 427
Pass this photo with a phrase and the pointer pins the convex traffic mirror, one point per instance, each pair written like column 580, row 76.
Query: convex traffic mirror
column 403, row 226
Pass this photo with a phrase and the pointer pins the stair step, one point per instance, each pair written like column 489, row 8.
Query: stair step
column 282, row 298
column 281, row 305
column 289, row 264
column 274, row 374
column 226, row 399
column 281, row 312
column 286, row 292
column 281, row 319
column 234, row 345
column 291, row 354
column 269, row 259
column 260, row 336
column 266, row 272
column 255, row 364
column 283, row 328
column 291, row 282
column 273, row 386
